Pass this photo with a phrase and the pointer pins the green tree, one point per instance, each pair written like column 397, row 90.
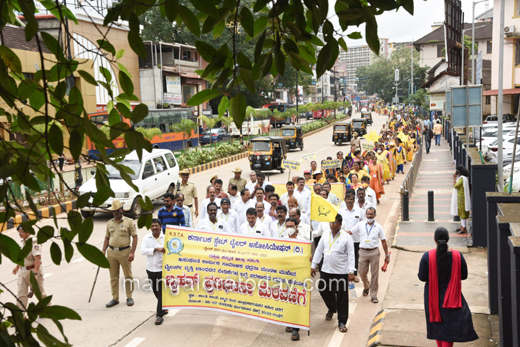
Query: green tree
column 186, row 126
column 279, row 33
column 378, row 78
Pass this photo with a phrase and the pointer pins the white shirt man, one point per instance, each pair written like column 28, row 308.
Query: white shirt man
column 241, row 206
column 277, row 229
column 336, row 250
column 253, row 227
column 304, row 195
column 368, row 235
column 351, row 217
column 205, row 202
column 231, row 218
column 262, row 217
column 148, row 248
column 370, row 196
column 219, row 225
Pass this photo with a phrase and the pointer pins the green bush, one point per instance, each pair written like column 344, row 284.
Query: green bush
column 191, row 159
column 313, row 126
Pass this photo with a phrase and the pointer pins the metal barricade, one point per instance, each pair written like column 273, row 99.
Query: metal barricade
column 411, row 176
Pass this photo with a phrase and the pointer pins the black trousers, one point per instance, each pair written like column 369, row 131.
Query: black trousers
column 333, row 289
column 356, row 256
column 155, row 278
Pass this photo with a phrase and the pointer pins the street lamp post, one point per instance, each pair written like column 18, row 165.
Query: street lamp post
column 463, row 49
column 473, row 40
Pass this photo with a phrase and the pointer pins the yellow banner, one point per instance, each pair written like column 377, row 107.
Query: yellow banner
column 367, row 146
column 261, row 278
column 291, row 164
column 309, row 157
column 331, row 164
column 337, row 189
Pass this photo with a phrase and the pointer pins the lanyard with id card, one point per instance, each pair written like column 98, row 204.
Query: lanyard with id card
column 368, row 232
column 328, row 252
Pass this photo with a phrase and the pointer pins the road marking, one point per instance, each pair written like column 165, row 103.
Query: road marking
column 47, row 275
column 78, row 260
column 337, row 337
column 135, row 342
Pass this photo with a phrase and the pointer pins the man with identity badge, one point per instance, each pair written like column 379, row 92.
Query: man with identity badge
column 369, row 232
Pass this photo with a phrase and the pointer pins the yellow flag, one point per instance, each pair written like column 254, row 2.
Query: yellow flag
column 322, row 210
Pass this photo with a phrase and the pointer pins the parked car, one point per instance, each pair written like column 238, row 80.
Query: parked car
column 493, row 119
column 155, row 175
column 214, row 135
column 507, row 146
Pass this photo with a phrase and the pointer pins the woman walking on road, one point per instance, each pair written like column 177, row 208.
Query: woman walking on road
column 448, row 318
column 461, row 200
column 376, row 177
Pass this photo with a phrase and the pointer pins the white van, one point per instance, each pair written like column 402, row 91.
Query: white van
column 156, row 175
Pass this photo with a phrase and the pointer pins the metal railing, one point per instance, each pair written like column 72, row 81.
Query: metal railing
column 409, row 183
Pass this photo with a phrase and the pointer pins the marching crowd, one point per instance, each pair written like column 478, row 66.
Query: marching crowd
column 347, row 248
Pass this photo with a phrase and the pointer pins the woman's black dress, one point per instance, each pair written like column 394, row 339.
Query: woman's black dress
column 456, row 324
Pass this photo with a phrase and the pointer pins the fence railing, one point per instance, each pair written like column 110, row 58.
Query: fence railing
column 409, row 183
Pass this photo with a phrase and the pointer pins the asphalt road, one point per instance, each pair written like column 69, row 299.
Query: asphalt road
column 121, row 325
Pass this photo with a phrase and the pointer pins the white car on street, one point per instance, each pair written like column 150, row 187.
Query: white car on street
column 155, row 175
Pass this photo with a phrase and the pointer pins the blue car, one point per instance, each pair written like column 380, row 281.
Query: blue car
column 213, row 135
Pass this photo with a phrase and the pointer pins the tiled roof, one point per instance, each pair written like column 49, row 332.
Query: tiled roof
column 14, row 38
column 484, row 31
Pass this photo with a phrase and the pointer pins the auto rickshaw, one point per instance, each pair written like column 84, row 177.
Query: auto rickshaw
column 359, row 125
column 293, row 136
column 342, row 132
column 267, row 153
column 368, row 117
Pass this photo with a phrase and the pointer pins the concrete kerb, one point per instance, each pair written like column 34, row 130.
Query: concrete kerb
column 227, row 160
column 375, row 330
column 45, row 212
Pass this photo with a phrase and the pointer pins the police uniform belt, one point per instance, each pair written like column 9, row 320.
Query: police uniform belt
column 117, row 249
column 30, row 267
column 189, row 206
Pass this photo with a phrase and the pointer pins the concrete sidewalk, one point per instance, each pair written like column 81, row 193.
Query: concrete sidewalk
column 404, row 322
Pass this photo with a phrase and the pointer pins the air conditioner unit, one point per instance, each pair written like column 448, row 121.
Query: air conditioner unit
column 509, row 30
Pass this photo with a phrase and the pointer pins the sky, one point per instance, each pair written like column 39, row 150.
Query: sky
column 400, row 26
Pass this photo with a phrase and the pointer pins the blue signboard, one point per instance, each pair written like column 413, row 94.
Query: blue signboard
column 464, row 99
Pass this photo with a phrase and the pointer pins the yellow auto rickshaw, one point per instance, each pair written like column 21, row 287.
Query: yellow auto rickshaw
column 359, row 125
column 293, row 136
column 342, row 132
column 267, row 153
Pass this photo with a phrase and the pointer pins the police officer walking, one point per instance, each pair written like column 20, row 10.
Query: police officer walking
column 32, row 262
column 189, row 190
column 120, row 252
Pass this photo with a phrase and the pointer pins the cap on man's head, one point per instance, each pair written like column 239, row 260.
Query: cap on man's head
column 185, row 172
column 225, row 200
column 307, row 172
column 237, row 170
column 20, row 227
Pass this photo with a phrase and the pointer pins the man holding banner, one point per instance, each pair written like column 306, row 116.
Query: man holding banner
column 337, row 250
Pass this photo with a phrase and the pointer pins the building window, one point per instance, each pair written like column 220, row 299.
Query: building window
column 187, row 55
column 517, row 52
column 440, row 49
column 488, row 100
column 489, row 47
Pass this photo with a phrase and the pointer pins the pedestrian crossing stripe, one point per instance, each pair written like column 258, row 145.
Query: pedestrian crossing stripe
column 375, row 331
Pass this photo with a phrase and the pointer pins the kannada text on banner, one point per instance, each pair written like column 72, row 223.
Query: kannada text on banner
column 331, row 164
column 260, row 278
column 291, row 164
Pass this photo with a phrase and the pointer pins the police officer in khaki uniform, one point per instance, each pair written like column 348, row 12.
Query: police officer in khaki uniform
column 120, row 252
column 189, row 190
column 238, row 180
column 33, row 262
